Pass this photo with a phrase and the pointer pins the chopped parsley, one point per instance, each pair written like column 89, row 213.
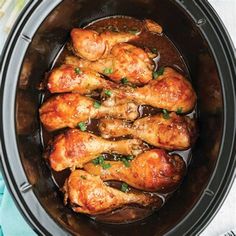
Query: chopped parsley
column 107, row 92
column 165, row 114
column 83, row 177
column 106, row 166
column 124, row 187
column 179, row 110
column 130, row 158
column 124, row 80
column 77, row 70
column 82, row 126
column 108, row 71
column 96, row 104
column 158, row 73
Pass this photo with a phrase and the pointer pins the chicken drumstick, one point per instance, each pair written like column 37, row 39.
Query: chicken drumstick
column 88, row 194
column 153, row 170
column 75, row 148
column 67, row 110
column 173, row 132
column 90, row 45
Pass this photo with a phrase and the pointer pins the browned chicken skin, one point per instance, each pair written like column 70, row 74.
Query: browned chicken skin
column 88, row 194
column 68, row 78
column 153, row 170
column 75, row 148
column 170, row 91
column 92, row 46
column 67, row 110
column 173, row 132
column 124, row 61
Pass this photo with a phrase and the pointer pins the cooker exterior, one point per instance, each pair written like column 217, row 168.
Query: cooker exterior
column 32, row 192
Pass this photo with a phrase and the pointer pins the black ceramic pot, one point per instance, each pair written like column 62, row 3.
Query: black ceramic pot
column 36, row 39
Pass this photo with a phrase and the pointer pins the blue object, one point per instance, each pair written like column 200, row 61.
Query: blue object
column 11, row 221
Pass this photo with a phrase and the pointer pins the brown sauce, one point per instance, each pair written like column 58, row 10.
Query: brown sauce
column 168, row 56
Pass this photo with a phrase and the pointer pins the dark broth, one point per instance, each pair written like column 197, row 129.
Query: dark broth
column 168, row 56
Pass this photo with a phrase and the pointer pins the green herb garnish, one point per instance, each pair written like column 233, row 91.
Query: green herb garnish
column 124, row 187
column 125, row 162
column 165, row 114
column 154, row 50
column 83, row 177
column 98, row 161
column 156, row 74
column 96, row 104
column 82, row 126
column 179, row 110
column 134, row 31
column 107, row 92
column 130, row 158
column 107, row 71
column 124, row 80
column 77, row 71
column 106, row 166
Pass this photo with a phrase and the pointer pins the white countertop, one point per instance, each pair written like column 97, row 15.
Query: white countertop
column 225, row 219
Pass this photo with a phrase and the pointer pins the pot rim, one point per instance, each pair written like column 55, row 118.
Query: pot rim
column 220, row 182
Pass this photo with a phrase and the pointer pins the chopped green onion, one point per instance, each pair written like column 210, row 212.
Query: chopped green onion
column 179, row 110
column 165, row 114
column 107, row 71
column 156, row 74
column 97, row 104
column 134, row 31
column 82, row 126
column 83, row 177
column 130, row 158
column 124, row 187
column 98, row 161
column 154, row 50
column 77, row 70
column 107, row 92
column 125, row 162
column 106, row 166
column 124, row 80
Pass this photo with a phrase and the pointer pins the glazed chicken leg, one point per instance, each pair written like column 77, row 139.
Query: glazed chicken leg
column 88, row 194
column 173, row 132
column 68, row 78
column 125, row 61
column 90, row 45
column 75, row 148
column 67, row 110
column 170, row 91
column 153, row 170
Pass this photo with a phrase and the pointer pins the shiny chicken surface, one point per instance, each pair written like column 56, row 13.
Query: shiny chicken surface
column 92, row 46
column 173, row 132
column 89, row 194
column 153, row 170
column 69, row 78
column 67, row 110
column 74, row 148
column 124, row 61
column 170, row 91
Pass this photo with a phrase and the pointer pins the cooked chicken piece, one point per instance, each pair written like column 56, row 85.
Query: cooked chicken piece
column 168, row 131
column 92, row 46
column 88, row 194
column 68, row 78
column 74, row 148
column 125, row 62
column 170, row 91
column 152, row 26
column 153, row 170
column 68, row 110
